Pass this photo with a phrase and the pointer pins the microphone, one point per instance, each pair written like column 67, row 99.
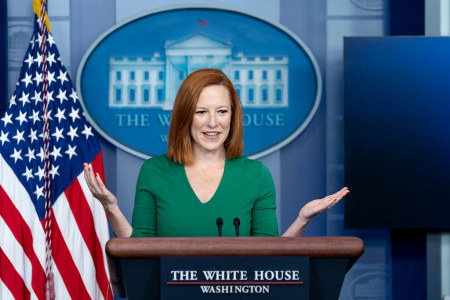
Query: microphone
column 219, row 223
column 236, row 223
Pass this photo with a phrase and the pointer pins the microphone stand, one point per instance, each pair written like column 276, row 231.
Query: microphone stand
column 219, row 223
column 236, row 223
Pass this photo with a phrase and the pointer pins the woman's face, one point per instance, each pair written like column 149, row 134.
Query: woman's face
column 212, row 118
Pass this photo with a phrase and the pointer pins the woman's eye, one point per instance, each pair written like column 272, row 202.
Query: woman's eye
column 223, row 111
column 200, row 112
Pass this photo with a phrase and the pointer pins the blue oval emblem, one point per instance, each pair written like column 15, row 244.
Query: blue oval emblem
column 128, row 79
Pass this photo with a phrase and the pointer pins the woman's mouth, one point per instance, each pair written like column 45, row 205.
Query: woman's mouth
column 211, row 134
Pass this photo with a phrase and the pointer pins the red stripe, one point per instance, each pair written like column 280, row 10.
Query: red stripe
column 23, row 235
column 97, row 165
column 85, row 221
column 64, row 261
column 12, row 279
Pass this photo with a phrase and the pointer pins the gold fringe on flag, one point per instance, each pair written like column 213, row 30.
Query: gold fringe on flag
column 37, row 10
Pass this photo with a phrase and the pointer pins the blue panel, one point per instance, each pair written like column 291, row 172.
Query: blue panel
column 397, row 124
column 407, row 17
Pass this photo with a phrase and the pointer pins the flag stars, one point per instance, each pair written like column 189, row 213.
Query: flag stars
column 71, row 151
column 30, row 154
column 49, row 96
column 12, row 101
column 41, row 154
column 56, row 153
column 50, row 78
column 74, row 114
column 35, row 116
column 40, row 173
column 27, row 80
column 4, row 137
column 28, row 173
column 44, row 135
column 16, row 155
column 22, row 117
column 38, row 78
column 51, row 59
column 19, row 136
column 38, row 58
column 38, row 20
column 48, row 115
column 32, row 42
column 54, row 171
column 35, row 146
column 41, row 135
column 74, row 96
column 36, row 98
column 24, row 99
column 62, row 77
column 6, row 119
column 50, row 39
column 39, row 192
column 72, row 133
column 33, row 135
column 39, row 37
column 60, row 115
column 62, row 96
column 87, row 131
column 58, row 134
column 29, row 60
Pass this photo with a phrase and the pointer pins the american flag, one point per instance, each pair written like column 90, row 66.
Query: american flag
column 76, row 231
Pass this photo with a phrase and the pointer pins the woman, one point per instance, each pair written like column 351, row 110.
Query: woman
column 203, row 176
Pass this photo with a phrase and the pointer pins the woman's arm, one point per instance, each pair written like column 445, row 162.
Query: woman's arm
column 119, row 223
column 312, row 209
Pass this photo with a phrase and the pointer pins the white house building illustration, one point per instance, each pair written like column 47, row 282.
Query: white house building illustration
column 260, row 81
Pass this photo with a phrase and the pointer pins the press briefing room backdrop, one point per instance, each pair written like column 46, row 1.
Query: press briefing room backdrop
column 359, row 56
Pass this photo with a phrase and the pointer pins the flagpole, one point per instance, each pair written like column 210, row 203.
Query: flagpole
column 41, row 12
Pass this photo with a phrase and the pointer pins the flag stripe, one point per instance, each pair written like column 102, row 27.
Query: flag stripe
column 100, row 217
column 19, row 262
column 12, row 280
column 99, row 214
column 20, row 199
column 85, row 221
column 75, row 242
column 22, row 234
column 66, row 266
column 61, row 291
column 5, row 293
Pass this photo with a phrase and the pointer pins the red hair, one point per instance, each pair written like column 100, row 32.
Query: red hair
column 180, row 144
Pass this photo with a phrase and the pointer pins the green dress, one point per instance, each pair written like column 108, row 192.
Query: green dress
column 166, row 205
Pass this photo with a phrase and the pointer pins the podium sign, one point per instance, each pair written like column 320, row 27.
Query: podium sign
column 173, row 267
column 235, row 277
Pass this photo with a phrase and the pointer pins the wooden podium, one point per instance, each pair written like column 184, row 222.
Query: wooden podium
column 134, row 263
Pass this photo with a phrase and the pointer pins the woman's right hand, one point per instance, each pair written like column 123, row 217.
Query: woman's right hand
column 98, row 188
column 119, row 223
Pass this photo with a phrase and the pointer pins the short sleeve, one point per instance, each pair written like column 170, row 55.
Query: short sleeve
column 264, row 219
column 144, row 213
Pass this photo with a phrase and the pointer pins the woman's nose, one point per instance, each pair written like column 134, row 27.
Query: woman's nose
column 212, row 121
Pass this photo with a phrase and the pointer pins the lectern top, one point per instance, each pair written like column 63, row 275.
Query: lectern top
column 318, row 247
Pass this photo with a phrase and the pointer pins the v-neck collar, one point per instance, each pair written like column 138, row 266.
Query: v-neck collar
column 215, row 193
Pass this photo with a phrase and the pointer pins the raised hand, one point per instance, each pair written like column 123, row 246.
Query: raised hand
column 312, row 209
column 119, row 223
column 98, row 188
column 315, row 207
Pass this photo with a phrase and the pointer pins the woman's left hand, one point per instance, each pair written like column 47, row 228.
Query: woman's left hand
column 312, row 209
column 315, row 207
